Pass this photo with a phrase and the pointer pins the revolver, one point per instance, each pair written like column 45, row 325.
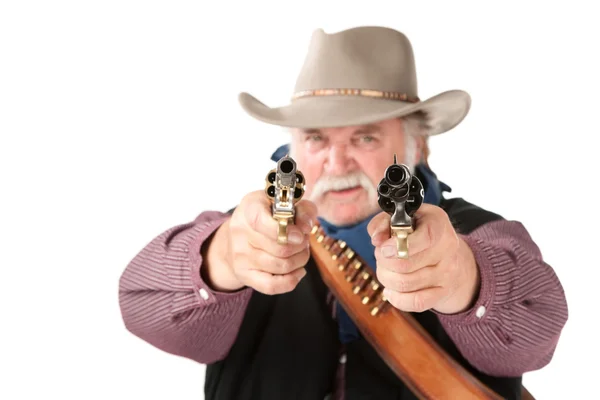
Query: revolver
column 284, row 186
column 400, row 194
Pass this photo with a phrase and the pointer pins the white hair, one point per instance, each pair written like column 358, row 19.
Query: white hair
column 415, row 126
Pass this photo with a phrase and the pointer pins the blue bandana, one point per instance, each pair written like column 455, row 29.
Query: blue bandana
column 358, row 238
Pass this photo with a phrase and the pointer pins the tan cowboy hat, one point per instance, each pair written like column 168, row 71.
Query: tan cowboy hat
column 359, row 76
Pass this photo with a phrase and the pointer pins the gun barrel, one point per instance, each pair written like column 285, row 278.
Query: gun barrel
column 397, row 175
column 286, row 172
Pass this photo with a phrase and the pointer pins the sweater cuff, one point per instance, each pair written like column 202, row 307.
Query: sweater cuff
column 487, row 289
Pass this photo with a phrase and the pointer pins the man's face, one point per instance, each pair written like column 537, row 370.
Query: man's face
column 343, row 166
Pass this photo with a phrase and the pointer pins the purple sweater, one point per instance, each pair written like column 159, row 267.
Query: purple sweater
column 513, row 327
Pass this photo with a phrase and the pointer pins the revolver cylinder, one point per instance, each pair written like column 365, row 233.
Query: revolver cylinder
column 400, row 194
column 284, row 186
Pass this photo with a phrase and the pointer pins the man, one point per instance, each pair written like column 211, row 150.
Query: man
column 220, row 290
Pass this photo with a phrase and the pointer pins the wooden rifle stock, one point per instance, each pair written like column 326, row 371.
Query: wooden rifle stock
column 398, row 338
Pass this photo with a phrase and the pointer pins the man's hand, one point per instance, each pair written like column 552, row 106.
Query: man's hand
column 245, row 251
column 440, row 272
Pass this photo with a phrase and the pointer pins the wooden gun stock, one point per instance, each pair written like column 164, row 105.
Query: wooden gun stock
column 397, row 337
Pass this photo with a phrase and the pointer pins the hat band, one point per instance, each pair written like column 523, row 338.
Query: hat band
column 355, row 92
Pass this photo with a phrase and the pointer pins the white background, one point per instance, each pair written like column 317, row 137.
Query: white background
column 119, row 119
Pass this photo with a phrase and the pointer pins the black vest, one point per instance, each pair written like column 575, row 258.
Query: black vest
column 288, row 347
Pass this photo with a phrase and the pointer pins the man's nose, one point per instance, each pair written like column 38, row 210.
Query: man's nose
column 338, row 161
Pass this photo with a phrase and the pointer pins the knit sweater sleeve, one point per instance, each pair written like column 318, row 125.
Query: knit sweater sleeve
column 165, row 302
column 521, row 309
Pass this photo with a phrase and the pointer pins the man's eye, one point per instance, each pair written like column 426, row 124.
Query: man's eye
column 368, row 138
column 315, row 138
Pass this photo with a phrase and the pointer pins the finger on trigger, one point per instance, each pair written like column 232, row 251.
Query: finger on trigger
column 380, row 237
column 306, row 214
column 380, row 224
column 389, row 243
column 424, row 236
column 296, row 234
column 260, row 219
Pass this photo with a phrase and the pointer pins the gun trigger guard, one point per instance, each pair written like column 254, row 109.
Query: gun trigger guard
column 401, row 234
column 282, row 231
column 283, row 220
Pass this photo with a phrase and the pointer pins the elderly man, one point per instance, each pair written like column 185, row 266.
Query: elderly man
column 221, row 291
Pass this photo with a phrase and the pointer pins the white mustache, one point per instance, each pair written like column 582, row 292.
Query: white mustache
column 327, row 183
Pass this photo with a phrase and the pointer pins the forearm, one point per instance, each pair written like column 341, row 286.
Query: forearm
column 519, row 310
column 165, row 301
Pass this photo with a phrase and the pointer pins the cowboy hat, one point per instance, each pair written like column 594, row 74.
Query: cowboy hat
column 359, row 76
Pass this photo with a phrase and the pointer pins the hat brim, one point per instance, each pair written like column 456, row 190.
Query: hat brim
column 444, row 111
